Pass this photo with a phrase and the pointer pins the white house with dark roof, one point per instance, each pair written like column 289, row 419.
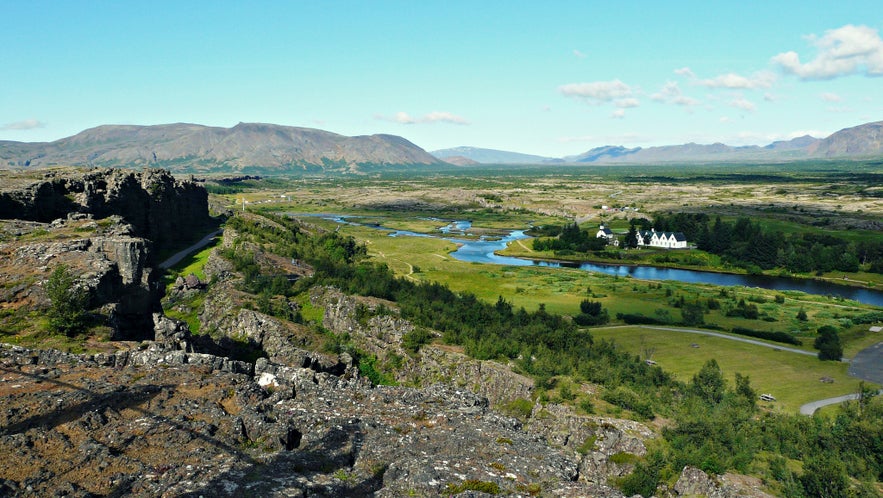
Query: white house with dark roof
column 606, row 233
column 665, row 240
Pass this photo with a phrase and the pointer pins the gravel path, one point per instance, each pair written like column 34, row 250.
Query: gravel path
column 178, row 256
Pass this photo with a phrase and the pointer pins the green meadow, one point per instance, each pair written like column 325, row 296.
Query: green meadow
column 792, row 378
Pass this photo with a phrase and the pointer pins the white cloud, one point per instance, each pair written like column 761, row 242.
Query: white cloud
column 685, row 71
column 763, row 79
column 626, row 103
column 403, row 117
column 830, row 97
column 432, row 117
column 27, row 124
column 769, row 97
column 444, row 117
column 618, row 114
column 671, row 93
column 685, row 101
column 579, row 54
column 840, row 52
column 668, row 91
column 597, row 92
column 744, row 104
column 724, row 119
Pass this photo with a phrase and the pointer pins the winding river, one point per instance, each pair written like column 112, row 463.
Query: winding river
column 483, row 250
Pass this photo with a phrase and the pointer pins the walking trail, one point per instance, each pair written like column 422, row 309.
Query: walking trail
column 178, row 256
column 867, row 364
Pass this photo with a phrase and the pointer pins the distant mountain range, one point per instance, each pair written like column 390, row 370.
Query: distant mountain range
column 486, row 156
column 858, row 142
column 195, row 148
column 274, row 149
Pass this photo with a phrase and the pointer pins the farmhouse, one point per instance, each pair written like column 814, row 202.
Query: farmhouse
column 666, row 240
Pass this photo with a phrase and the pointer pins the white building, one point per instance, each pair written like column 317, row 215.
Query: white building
column 665, row 240
column 604, row 232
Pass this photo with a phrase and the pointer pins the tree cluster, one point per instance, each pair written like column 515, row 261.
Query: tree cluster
column 571, row 238
column 746, row 242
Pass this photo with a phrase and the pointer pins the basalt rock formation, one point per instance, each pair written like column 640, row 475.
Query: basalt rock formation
column 158, row 206
column 105, row 226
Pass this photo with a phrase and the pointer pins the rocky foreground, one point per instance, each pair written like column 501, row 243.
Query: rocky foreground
column 160, row 421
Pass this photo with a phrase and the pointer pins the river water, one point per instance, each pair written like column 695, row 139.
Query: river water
column 483, row 250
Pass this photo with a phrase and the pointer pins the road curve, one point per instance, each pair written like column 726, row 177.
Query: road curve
column 811, row 407
column 178, row 256
column 867, row 364
column 732, row 338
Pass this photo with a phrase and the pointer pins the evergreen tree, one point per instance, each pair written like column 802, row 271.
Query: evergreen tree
column 67, row 310
column 693, row 314
column 828, row 343
column 744, row 389
column 631, row 238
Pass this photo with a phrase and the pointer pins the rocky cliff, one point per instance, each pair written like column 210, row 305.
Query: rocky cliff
column 108, row 261
column 105, row 226
column 159, row 207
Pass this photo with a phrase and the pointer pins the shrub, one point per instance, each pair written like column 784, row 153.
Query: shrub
column 488, row 487
column 778, row 336
column 416, row 338
column 624, row 397
column 519, row 408
column 638, row 319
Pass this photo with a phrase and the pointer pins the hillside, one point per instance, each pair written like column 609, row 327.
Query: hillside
column 195, row 148
column 863, row 141
column 489, row 156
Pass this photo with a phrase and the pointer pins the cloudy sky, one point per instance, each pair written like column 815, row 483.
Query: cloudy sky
column 550, row 78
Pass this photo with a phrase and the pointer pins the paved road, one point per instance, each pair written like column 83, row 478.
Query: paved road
column 732, row 338
column 867, row 364
column 178, row 256
column 810, row 408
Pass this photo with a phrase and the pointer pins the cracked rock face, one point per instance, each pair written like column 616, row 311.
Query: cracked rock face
column 157, row 206
column 154, row 423
column 111, row 264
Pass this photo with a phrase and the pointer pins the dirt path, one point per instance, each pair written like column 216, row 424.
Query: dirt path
column 524, row 246
column 178, row 256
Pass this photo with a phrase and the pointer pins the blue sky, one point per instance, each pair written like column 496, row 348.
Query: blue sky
column 550, row 78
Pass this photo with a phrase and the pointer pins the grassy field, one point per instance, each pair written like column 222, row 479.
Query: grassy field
column 792, row 378
column 562, row 289
column 193, row 263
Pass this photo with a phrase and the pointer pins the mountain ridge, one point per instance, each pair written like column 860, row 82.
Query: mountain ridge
column 856, row 142
column 266, row 148
column 187, row 147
